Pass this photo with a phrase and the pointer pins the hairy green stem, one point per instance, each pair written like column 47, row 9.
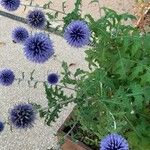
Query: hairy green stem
column 132, row 126
column 115, row 125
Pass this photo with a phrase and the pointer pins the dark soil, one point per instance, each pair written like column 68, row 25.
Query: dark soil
column 82, row 136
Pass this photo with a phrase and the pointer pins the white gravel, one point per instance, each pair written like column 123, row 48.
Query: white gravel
column 11, row 56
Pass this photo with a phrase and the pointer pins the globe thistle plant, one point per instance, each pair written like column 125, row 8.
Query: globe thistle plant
column 77, row 34
column 114, row 142
column 38, row 48
column 1, row 126
column 19, row 34
column 36, row 19
column 10, row 5
column 22, row 116
column 52, row 78
column 7, row 77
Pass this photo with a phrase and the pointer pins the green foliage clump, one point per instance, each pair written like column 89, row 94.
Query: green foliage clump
column 114, row 95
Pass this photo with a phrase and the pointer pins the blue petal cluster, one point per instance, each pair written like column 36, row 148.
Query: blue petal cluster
column 22, row 116
column 19, row 34
column 52, row 78
column 10, row 5
column 7, row 77
column 1, row 126
column 38, row 48
column 114, row 142
column 36, row 19
column 77, row 34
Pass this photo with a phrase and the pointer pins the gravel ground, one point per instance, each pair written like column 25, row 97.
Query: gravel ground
column 11, row 56
column 118, row 5
column 40, row 137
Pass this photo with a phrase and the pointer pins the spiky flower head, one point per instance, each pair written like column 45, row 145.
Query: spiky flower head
column 36, row 19
column 19, row 34
column 10, row 5
column 1, row 126
column 38, row 48
column 52, row 78
column 22, row 116
column 77, row 34
column 7, row 77
column 114, row 142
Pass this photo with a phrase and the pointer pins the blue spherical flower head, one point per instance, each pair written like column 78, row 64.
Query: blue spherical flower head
column 36, row 19
column 19, row 34
column 7, row 77
column 114, row 142
column 77, row 34
column 10, row 5
column 1, row 126
column 52, row 78
column 38, row 48
column 22, row 116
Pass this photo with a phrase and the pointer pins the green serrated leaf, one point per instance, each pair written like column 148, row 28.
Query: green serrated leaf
column 94, row 1
column 31, row 75
column 127, row 16
column 56, row 14
column 137, row 94
column 78, row 72
column 47, row 5
column 42, row 113
column 91, row 19
column 50, row 16
column 63, row 6
column 146, row 43
column 35, row 84
column 145, row 78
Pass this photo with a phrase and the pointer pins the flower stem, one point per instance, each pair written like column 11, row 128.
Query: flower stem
column 115, row 125
column 37, row 6
column 37, row 81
